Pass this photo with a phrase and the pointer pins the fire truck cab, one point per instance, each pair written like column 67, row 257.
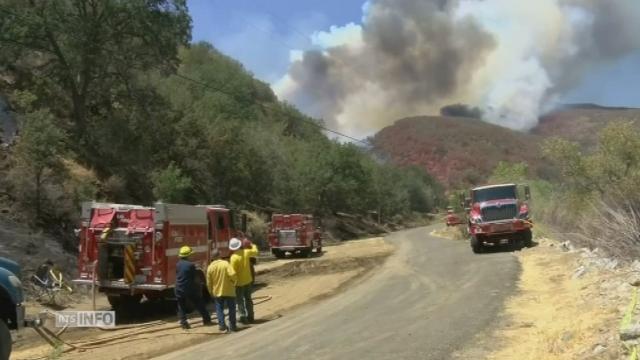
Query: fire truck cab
column 294, row 233
column 139, row 255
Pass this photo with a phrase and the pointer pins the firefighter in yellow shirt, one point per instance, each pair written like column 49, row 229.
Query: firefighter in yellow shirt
column 221, row 282
column 241, row 263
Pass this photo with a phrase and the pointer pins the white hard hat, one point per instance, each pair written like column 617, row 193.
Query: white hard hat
column 235, row 244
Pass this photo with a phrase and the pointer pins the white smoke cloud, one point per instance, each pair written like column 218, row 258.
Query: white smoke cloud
column 349, row 35
column 511, row 58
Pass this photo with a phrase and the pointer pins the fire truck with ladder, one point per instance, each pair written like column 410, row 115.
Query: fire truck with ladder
column 139, row 255
column 294, row 233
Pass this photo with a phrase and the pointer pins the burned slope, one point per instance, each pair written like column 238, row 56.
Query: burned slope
column 457, row 151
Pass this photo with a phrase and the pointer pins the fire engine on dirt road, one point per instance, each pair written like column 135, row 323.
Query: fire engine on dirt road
column 138, row 254
column 497, row 216
column 294, row 233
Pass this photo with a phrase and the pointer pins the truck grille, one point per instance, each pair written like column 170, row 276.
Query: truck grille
column 495, row 213
column 287, row 238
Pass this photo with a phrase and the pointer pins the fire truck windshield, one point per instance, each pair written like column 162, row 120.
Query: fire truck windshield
column 494, row 193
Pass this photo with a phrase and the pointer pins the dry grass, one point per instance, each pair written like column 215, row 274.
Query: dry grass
column 554, row 316
column 613, row 229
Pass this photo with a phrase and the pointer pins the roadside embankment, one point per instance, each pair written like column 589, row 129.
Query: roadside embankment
column 569, row 305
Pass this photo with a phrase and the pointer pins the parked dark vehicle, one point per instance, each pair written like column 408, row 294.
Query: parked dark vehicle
column 12, row 310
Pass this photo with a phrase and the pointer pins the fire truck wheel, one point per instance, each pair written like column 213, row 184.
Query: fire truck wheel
column 5, row 341
column 114, row 301
column 476, row 246
column 319, row 249
column 278, row 253
column 124, row 303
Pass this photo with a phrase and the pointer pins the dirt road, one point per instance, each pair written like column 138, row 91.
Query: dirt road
column 429, row 298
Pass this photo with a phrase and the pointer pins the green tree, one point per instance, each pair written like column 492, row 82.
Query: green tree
column 170, row 184
column 81, row 57
column 38, row 160
column 506, row 172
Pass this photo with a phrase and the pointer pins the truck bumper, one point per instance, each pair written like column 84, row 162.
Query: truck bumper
column 121, row 285
column 500, row 228
column 22, row 321
column 291, row 248
column 20, row 317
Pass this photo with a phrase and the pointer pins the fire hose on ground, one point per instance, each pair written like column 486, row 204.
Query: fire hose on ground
column 53, row 338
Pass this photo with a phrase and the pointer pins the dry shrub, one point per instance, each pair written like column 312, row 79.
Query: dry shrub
column 257, row 228
column 613, row 228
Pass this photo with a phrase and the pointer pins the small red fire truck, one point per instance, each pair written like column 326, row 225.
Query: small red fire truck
column 294, row 233
column 139, row 254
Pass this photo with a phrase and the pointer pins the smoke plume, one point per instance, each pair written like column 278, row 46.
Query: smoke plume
column 513, row 59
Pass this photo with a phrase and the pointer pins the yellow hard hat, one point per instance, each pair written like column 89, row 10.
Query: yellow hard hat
column 185, row 251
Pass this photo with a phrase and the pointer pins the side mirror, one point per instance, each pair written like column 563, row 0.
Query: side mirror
column 467, row 204
column 527, row 192
column 462, row 200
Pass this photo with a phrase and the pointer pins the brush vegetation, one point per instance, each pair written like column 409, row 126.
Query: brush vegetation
column 115, row 104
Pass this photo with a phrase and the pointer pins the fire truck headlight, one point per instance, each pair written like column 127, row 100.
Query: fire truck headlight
column 158, row 236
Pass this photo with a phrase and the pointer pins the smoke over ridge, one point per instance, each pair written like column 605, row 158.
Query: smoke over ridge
column 511, row 58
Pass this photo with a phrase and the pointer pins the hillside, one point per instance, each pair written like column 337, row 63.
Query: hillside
column 461, row 151
column 162, row 118
column 582, row 122
column 455, row 150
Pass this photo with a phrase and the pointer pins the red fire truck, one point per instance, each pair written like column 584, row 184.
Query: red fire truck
column 294, row 233
column 498, row 215
column 139, row 255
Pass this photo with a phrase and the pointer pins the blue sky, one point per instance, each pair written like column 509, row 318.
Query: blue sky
column 260, row 34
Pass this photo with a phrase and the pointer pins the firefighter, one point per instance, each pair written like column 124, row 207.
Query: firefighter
column 106, row 233
column 186, row 289
column 241, row 263
column 246, row 244
column 103, row 252
column 221, row 283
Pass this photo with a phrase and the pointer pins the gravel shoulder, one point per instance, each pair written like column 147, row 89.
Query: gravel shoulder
column 568, row 306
